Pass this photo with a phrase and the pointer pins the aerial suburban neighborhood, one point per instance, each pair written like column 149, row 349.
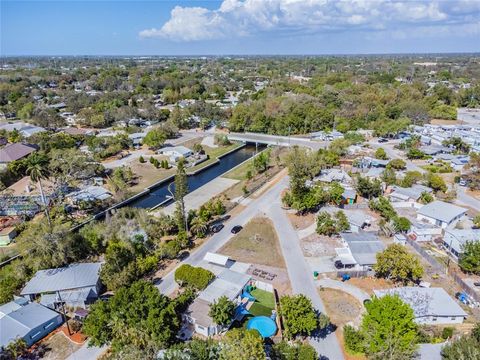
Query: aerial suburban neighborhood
column 240, row 206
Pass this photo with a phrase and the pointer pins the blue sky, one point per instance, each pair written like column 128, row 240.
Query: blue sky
column 238, row 27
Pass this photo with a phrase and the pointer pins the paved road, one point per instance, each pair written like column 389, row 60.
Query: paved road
column 301, row 277
column 278, row 140
column 356, row 292
column 464, row 198
column 87, row 353
column 254, row 206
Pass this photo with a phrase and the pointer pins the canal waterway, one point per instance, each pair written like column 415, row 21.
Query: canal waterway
column 160, row 194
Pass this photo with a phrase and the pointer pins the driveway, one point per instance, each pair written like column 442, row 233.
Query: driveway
column 87, row 353
column 357, row 293
column 301, row 277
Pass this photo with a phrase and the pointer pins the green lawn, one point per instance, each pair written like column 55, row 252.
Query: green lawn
column 264, row 304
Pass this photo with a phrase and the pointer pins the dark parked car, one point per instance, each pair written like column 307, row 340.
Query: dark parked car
column 339, row 265
column 382, row 140
column 217, row 227
column 476, row 283
column 236, row 229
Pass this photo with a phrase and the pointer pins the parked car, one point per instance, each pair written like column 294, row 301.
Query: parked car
column 339, row 265
column 216, row 228
column 477, row 283
column 462, row 183
column 382, row 140
column 236, row 229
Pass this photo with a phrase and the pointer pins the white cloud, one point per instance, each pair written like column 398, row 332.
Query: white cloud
column 237, row 18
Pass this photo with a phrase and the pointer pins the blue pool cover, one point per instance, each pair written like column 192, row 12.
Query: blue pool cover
column 263, row 324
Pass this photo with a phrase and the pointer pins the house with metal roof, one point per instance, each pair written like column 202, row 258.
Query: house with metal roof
column 76, row 285
column 455, row 239
column 441, row 213
column 228, row 283
column 360, row 249
column 410, row 194
column 20, row 319
column 176, row 152
column 431, row 306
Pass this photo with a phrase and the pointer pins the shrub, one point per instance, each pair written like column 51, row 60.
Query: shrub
column 196, row 277
column 447, row 333
column 141, row 159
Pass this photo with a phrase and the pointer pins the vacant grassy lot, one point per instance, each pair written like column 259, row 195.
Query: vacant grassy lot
column 149, row 174
column 257, row 243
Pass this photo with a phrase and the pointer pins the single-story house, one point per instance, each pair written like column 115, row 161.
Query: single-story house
column 28, row 321
column 421, row 231
column 331, row 175
column 176, row 152
column 7, row 235
column 435, row 150
column 454, row 239
column 90, row 193
column 137, row 138
column 24, row 197
column 228, row 283
column 431, row 306
column 13, row 152
column 30, row 130
column 76, row 285
column 358, row 219
column 441, row 213
column 411, row 194
column 361, row 249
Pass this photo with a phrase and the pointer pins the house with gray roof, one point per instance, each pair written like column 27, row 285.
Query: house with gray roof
column 360, row 249
column 455, row 239
column 20, row 319
column 431, row 306
column 441, row 213
column 410, row 194
column 13, row 152
column 76, row 285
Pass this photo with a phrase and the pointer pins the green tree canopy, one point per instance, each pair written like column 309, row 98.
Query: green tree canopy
column 222, row 311
column 298, row 314
column 396, row 263
column 242, row 345
column 389, row 329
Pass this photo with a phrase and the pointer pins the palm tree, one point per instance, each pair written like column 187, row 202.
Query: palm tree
column 198, row 226
column 37, row 170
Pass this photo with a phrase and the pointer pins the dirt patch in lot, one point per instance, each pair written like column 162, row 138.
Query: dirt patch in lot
column 301, row 222
column 257, row 243
column 59, row 347
column 318, row 245
column 342, row 308
column 368, row 284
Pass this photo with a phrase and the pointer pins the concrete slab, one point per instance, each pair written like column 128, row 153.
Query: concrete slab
column 197, row 198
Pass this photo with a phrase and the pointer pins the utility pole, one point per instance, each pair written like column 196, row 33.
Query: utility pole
column 64, row 313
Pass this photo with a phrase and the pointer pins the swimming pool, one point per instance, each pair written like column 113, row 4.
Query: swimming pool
column 264, row 325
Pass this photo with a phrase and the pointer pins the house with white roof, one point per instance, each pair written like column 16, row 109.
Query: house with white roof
column 20, row 319
column 76, row 285
column 411, row 194
column 441, row 213
column 176, row 152
column 431, row 306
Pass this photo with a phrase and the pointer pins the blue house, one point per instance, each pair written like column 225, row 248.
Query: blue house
column 20, row 319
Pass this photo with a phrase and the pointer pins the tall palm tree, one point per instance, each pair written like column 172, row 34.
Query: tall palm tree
column 37, row 169
column 199, row 226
